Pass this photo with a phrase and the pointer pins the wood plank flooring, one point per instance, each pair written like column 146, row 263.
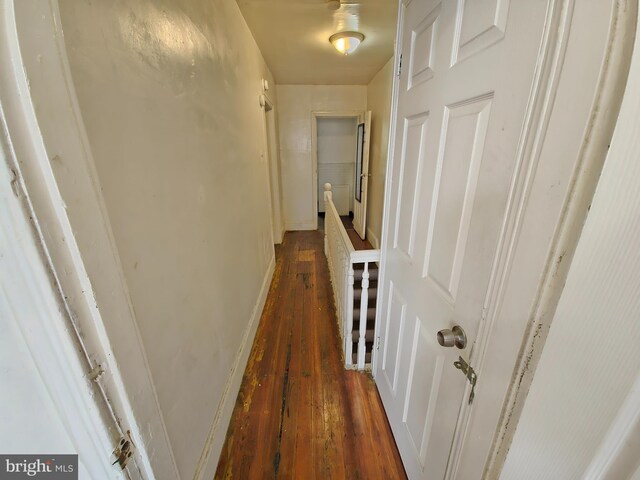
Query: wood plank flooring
column 299, row 414
column 356, row 241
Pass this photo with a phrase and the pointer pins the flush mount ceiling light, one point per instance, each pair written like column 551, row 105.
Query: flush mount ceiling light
column 346, row 42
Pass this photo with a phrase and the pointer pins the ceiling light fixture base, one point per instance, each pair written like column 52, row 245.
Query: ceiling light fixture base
column 346, row 42
column 333, row 4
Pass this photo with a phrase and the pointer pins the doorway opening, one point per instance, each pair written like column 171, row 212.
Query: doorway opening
column 336, row 161
column 340, row 146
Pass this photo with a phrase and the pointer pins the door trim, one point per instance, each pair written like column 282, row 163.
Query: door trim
column 582, row 185
column 273, row 173
column 386, row 204
column 36, row 73
column 596, row 140
column 30, row 299
column 314, row 151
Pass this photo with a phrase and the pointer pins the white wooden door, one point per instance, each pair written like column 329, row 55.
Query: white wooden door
column 360, row 207
column 54, row 408
column 467, row 70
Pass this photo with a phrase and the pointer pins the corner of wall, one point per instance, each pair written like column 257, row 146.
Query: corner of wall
column 215, row 441
column 373, row 239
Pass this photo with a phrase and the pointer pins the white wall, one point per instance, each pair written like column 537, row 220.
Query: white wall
column 168, row 91
column 379, row 102
column 295, row 105
column 581, row 418
column 336, row 138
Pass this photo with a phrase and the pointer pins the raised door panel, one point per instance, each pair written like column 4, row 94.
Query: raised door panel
column 480, row 24
column 425, row 374
column 459, row 159
column 394, row 337
column 413, row 152
column 423, row 46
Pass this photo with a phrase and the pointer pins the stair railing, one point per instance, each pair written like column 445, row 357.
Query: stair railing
column 342, row 257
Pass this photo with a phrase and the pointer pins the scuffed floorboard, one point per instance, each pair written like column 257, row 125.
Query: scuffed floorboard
column 299, row 414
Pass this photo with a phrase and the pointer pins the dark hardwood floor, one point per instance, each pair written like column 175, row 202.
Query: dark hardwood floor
column 356, row 241
column 299, row 414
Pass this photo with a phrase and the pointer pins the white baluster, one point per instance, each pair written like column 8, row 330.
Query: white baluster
column 341, row 257
column 327, row 198
column 364, row 305
column 348, row 351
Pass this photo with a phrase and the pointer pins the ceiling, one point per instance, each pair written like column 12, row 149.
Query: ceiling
column 293, row 36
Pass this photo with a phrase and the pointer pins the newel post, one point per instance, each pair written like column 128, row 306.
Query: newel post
column 327, row 192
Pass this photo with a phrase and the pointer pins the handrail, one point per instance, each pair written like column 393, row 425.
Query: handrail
column 342, row 256
column 360, row 256
column 344, row 236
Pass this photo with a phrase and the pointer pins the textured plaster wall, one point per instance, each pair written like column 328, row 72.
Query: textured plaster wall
column 168, row 91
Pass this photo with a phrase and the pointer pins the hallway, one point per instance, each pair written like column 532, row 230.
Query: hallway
column 299, row 414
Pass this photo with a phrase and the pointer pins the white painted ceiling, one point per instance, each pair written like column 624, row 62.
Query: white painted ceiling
column 293, row 36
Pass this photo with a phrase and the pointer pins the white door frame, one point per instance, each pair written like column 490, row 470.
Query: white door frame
column 604, row 112
column 53, row 151
column 386, row 201
column 314, row 151
column 30, row 299
column 272, row 150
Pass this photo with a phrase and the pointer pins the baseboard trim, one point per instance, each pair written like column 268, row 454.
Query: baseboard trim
column 292, row 227
column 215, row 440
column 373, row 239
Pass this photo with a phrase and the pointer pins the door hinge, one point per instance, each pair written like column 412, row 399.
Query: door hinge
column 399, row 66
column 378, row 343
column 124, row 451
column 96, row 373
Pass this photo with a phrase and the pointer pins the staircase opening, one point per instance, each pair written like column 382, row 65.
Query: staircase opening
column 358, row 270
column 353, row 265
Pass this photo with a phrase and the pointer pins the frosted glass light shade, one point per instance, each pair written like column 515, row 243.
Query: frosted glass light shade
column 346, row 42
